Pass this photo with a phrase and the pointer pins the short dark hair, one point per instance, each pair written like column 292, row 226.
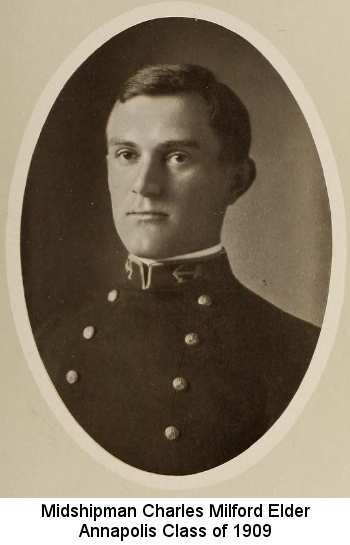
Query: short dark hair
column 228, row 116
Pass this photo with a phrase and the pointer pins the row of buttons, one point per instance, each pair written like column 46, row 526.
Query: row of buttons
column 204, row 300
column 179, row 383
column 172, row 432
column 90, row 331
column 191, row 339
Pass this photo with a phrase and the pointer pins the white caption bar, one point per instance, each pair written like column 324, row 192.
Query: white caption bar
column 271, row 521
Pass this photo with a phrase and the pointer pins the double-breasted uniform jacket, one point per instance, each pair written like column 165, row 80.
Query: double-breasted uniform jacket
column 180, row 368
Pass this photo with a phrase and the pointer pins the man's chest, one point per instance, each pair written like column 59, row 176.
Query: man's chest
column 155, row 363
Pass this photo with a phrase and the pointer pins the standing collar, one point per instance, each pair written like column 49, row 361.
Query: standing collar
column 184, row 257
column 170, row 275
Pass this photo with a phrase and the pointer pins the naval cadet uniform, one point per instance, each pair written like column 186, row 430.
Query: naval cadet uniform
column 180, row 368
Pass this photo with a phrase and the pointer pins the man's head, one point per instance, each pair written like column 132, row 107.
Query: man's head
column 178, row 155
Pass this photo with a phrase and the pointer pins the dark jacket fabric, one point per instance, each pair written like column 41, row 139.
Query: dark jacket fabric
column 242, row 363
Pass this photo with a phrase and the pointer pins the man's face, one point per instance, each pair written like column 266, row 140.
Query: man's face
column 168, row 189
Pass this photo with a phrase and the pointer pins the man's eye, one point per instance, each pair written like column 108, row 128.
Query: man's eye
column 178, row 158
column 126, row 155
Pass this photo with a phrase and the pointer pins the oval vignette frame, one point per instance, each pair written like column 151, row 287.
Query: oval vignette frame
column 336, row 286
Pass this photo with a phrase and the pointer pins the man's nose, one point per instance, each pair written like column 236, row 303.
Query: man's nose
column 149, row 181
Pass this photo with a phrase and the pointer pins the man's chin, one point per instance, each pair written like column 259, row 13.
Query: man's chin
column 150, row 250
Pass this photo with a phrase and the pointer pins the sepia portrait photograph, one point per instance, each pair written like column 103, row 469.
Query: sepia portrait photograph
column 176, row 245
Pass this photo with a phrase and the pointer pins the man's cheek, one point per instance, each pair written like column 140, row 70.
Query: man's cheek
column 118, row 195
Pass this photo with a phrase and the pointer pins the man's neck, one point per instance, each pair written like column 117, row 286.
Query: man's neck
column 184, row 257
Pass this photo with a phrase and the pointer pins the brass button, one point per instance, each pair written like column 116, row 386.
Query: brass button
column 171, row 433
column 72, row 377
column 180, row 384
column 89, row 332
column 191, row 339
column 113, row 296
column 205, row 300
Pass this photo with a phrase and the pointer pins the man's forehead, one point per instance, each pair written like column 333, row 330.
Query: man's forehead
column 163, row 122
column 181, row 110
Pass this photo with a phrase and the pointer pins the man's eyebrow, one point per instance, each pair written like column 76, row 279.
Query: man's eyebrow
column 168, row 144
column 182, row 143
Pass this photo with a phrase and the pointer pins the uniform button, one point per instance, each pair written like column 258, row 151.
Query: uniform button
column 113, row 296
column 171, row 433
column 89, row 332
column 72, row 377
column 191, row 339
column 180, row 384
column 205, row 300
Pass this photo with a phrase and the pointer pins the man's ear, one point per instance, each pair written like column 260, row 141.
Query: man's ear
column 242, row 178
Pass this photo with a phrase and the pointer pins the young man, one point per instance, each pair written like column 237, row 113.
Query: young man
column 181, row 368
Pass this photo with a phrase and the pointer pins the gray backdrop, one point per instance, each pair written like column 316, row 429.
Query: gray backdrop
column 278, row 235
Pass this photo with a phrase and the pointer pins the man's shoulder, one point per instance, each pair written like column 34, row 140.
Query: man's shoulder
column 283, row 342
column 65, row 327
column 261, row 313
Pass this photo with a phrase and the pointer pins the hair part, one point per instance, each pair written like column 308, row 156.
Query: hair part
column 228, row 116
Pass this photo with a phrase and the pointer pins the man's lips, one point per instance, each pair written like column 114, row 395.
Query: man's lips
column 150, row 213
